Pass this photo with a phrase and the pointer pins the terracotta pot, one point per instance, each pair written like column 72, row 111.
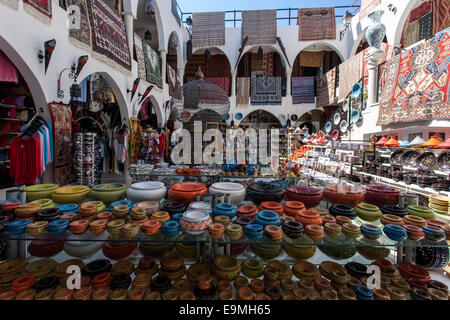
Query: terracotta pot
column 292, row 208
column 348, row 195
column 186, row 192
column 22, row 283
column 309, row 196
column 249, row 211
column 309, row 217
column 272, row 206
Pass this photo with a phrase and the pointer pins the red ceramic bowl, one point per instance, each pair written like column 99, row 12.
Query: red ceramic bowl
column 348, row 195
column 239, row 248
column 272, row 206
column 310, row 197
column 186, row 192
column 247, row 211
column 381, row 195
column 292, row 208
column 118, row 252
column 45, row 249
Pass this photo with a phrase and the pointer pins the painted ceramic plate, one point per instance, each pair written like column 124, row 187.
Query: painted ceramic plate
column 337, row 118
column 328, row 127
column 443, row 161
column 346, row 105
column 409, row 158
column 226, row 117
column 335, row 135
column 396, row 158
column 426, row 160
column 283, row 117
column 294, row 117
column 239, row 116
column 355, row 116
column 343, row 126
column 356, row 90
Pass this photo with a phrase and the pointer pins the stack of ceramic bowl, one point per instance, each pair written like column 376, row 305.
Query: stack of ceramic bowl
column 394, row 210
column 195, row 222
column 419, row 211
column 150, row 207
column 379, row 195
column 70, row 194
column 342, row 210
column 108, row 193
column 341, row 194
column 440, row 204
column 235, row 190
column 368, row 212
column 309, row 196
column 225, row 209
column 40, row 191
column 265, row 191
column 45, row 203
column 267, row 217
column 173, row 207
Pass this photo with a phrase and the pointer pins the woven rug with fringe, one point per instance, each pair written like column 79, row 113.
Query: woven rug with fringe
column 367, row 7
column 441, row 16
column 208, row 29
column 243, row 91
column 223, row 83
column 265, row 91
column 40, row 9
column 62, row 145
column 311, row 59
column 417, row 83
column 11, row 3
column 140, row 57
column 80, row 35
column 316, row 24
column 109, row 38
column 326, row 86
column 303, row 90
column 152, row 65
column 260, row 26
column 349, row 73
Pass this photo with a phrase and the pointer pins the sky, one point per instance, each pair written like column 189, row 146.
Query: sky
column 225, row 5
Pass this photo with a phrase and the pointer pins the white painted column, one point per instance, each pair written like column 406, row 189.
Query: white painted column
column 163, row 54
column 373, row 60
column 288, row 84
column 233, row 83
column 129, row 26
column 180, row 75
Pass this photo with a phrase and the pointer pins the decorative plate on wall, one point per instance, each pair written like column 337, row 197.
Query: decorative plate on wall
column 337, row 118
column 344, row 126
column 328, row 127
column 409, row 158
column 443, row 161
column 426, row 160
column 239, row 116
column 396, row 158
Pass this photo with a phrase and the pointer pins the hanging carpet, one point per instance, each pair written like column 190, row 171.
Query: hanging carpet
column 208, row 29
column 316, row 24
column 260, row 26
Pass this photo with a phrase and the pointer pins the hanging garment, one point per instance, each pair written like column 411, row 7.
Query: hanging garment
column 25, row 160
column 8, row 72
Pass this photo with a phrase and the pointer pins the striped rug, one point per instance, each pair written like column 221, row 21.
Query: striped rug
column 303, row 90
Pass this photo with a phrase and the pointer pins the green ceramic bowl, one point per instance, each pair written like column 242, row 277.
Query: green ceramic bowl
column 109, row 193
column 300, row 252
column 368, row 212
column 100, row 205
column 40, row 191
column 252, row 268
column 45, row 203
column 420, row 211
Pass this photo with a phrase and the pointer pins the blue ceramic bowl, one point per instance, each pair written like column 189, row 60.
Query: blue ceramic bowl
column 328, row 127
column 254, row 231
column 177, row 216
column 57, row 227
column 395, row 233
column 68, row 208
column 225, row 209
column 170, row 228
column 433, row 233
column 18, row 227
column 370, row 231
column 363, row 293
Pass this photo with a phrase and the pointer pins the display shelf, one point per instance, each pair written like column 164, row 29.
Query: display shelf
column 10, row 106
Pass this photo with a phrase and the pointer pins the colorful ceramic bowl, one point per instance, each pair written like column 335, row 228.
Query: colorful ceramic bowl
column 339, row 194
column 379, row 195
column 40, row 191
column 309, row 196
column 186, row 192
column 70, row 194
column 109, row 192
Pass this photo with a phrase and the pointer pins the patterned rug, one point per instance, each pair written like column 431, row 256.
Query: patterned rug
column 222, row 82
column 256, row 64
column 268, row 64
column 311, row 59
column 303, row 90
column 40, row 9
column 441, row 16
column 367, row 7
column 426, row 26
column 12, row 3
column 265, row 91
column 140, row 57
column 326, row 87
column 172, row 76
column 243, row 91
column 208, row 29
column 80, row 37
column 135, row 136
column 260, row 26
column 417, row 83
column 109, row 39
column 316, row 24
column 364, row 70
column 152, row 65
column 349, row 73
column 62, row 150
column 420, row 11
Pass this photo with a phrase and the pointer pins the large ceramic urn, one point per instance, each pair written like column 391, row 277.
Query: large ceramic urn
column 376, row 31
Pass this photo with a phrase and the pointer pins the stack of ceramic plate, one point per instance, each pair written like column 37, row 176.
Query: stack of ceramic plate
column 440, row 204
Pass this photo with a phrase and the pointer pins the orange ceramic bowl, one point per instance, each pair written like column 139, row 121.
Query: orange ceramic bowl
column 309, row 217
column 292, row 208
column 272, row 206
column 186, row 192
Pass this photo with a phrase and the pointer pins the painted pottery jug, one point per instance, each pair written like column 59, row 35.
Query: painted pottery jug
column 376, row 31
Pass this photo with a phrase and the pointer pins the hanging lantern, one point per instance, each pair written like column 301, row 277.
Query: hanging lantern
column 207, row 56
column 75, row 90
column 260, row 53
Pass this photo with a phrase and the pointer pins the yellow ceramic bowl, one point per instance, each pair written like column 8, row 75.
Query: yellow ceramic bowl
column 69, row 198
column 40, row 191
column 70, row 190
column 45, row 203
